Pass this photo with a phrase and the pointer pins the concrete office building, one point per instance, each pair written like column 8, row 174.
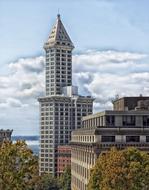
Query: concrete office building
column 62, row 107
column 125, row 126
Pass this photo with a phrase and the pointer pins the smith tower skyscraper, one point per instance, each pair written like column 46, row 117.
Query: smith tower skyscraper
column 62, row 107
column 58, row 60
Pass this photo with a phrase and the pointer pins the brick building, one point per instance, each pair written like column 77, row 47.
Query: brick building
column 63, row 158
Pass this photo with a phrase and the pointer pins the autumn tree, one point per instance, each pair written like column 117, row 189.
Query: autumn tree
column 65, row 179
column 120, row 170
column 18, row 166
column 47, row 182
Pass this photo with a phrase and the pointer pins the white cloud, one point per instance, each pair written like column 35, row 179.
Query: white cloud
column 106, row 61
column 12, row 102
column 24, row 82
column 102, row 74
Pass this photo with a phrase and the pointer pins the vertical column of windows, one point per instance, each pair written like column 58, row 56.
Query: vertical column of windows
column 46, row 145
column 62, row 122
column 50, row 71
column 58, row 73
column 69, row 68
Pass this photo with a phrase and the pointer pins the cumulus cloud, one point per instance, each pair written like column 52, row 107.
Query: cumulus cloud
column 24, row 83
column 102, row 74
column 19, row 90
column 33, row 65
column 12, row 102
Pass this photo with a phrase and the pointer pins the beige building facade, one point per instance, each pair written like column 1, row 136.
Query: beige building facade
column 102, row 131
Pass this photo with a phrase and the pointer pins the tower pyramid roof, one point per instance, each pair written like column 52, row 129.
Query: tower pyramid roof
column 59, row 35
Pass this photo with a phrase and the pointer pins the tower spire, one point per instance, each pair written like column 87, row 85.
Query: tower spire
column 58, row 15
column 59, row 35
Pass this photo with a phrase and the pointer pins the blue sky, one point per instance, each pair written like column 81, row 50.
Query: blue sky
column 101, row 24
column 110, row 35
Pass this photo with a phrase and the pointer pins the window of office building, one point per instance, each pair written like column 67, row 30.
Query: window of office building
column 107, row 138
column 146, row 121
column 132, row 138
column 129, row 120
column 110, row 120
column 147, row 138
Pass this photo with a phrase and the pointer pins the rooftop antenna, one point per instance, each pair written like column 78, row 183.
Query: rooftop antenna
column 58, row 15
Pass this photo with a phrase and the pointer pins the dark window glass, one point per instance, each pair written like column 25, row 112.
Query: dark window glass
column 132, row 138
column 108, row 139
column 129, row 120
column 146, row 121
column 110, row 120
column 147, row 138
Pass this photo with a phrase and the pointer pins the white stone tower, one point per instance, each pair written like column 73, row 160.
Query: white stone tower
column 58, row 59
column 62, row 108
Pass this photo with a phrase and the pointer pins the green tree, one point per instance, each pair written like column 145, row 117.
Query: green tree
column 121, row 170
column 18, row 166
column 65, row 179
column 47, row 182
column 19, row 169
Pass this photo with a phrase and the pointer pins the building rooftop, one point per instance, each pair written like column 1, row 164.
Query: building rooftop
column 65, row 97
column 131, row 103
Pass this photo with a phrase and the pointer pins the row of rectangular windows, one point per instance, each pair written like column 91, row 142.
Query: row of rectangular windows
column 128, row 138
column 58, row 63
column 59, row 67
column 56, row 141
column 110, row 121
column 64, row 105
column 58, row 59
column 58, row 54
column 64, row 78
column 58, row 70
column 57, row 127
column 51, row 50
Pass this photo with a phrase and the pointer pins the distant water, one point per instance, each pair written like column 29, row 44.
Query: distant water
column 31, row 141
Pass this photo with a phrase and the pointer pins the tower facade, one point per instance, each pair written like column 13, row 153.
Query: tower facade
column 58, row 50
column 62, row 107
